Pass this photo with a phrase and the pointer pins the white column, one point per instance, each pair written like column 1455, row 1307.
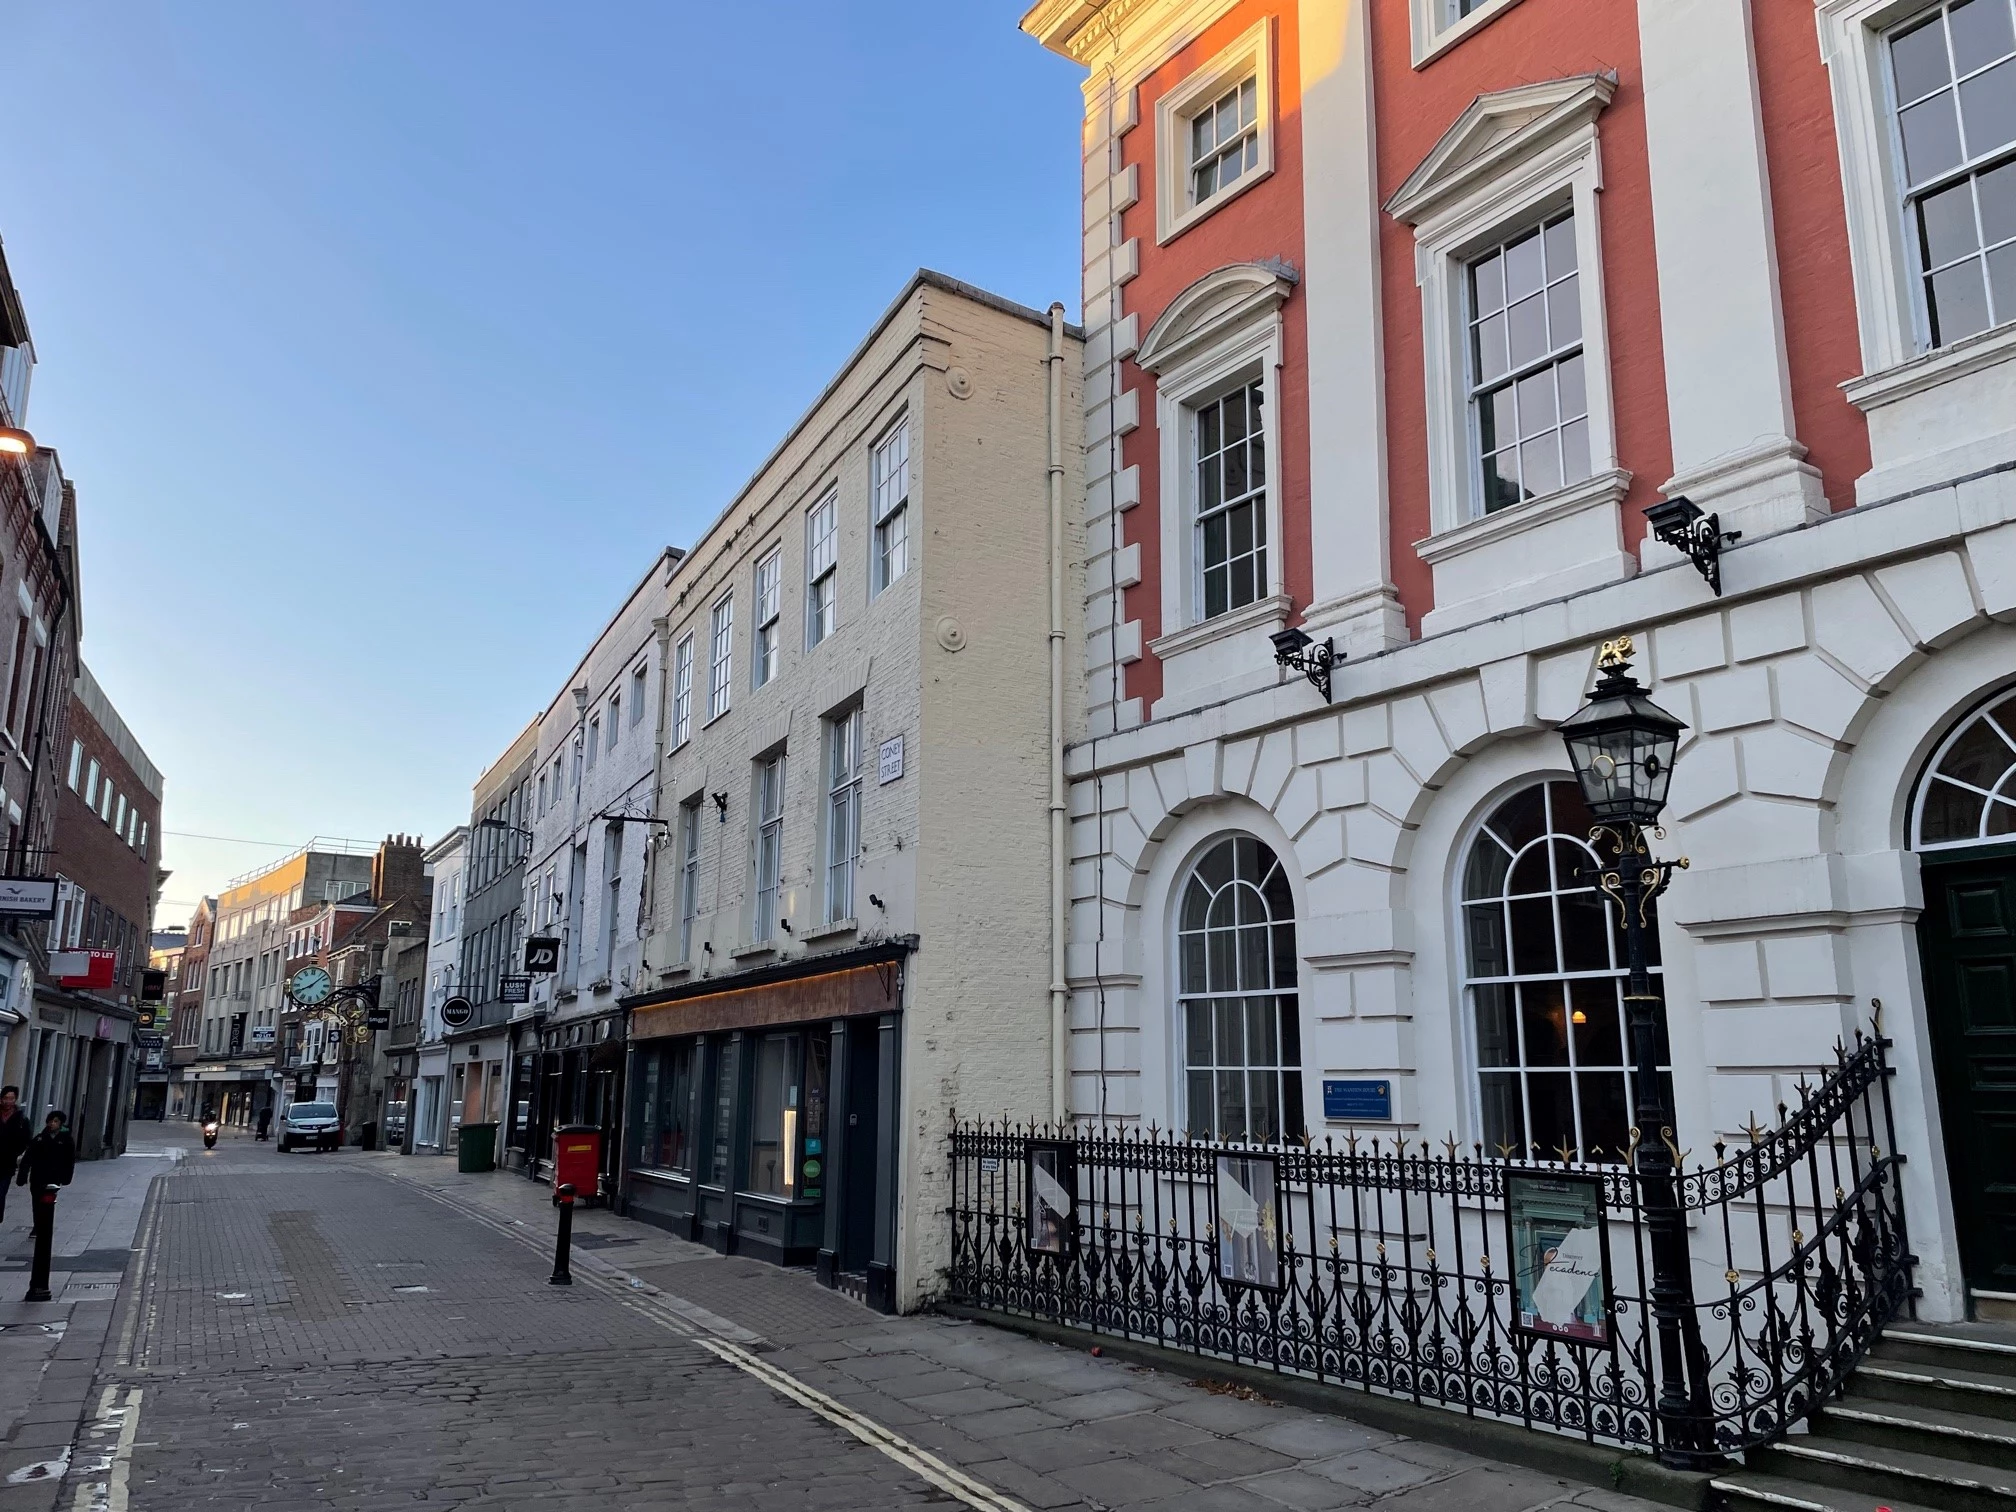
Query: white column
column 1728, row 393
column 1354, row 599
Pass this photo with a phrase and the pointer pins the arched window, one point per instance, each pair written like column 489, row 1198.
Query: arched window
column 1968, row 796
column 1242, row 1042
column 1545, row 982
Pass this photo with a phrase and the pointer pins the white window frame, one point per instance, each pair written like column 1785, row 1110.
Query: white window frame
column 1898, row 362
column 682, row 691
column 639, row 683
column 76, row 762
column 721, row 657
column 689, row 875
column 1250, row 56
column 766, row 860
column 822, row 569
column 768, row 596
column 844, row 740
column 1437, row 27
column 593, row 740
column 1482, row 185
column 1252, row 351
column 615, row 720
column 886, row 512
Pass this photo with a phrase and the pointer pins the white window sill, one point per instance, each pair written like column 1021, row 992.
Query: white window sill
column 753, row 950
column 1564, row 542
column 827, row 931
column 1220, row 658
column 1432, row 40
column 1924, row 373
column 673, row 973
column 1938, row 416
column 599, row 986
column 1272, row 609
column 1197, row 214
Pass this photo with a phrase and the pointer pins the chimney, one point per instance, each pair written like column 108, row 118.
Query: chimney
column 399, row 870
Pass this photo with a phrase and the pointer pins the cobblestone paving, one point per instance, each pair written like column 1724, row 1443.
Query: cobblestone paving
column 303, row 1332
column 316, row 1337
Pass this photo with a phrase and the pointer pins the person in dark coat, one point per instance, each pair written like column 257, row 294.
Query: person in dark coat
column 51, row 1159
column 15, row 1132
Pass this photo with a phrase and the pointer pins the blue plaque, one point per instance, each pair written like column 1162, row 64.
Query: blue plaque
column 1366, row 1101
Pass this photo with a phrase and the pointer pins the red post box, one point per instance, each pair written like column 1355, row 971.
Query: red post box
column 577, row 1160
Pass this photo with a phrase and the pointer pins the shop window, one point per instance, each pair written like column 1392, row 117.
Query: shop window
column 1546, row 982
column 721, row 1140
column 774, row 1114
column 665, row 1115
column 1237, row 997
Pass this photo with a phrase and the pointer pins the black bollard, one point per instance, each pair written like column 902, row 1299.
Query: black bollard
column 45, row 1233
column 561, row 1276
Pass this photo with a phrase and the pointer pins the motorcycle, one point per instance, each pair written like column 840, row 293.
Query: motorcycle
column 210, row 1135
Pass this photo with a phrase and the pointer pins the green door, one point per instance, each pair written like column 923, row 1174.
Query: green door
column 1968, row 937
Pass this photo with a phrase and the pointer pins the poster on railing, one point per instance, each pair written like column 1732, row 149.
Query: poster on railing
column 1052, row 1196
column 1248, row 1221
column 1560, row 1259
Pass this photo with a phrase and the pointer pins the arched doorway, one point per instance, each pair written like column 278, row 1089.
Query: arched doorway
column 1963, row 824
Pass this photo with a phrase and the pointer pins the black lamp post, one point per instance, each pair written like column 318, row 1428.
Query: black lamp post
column 1621, row 745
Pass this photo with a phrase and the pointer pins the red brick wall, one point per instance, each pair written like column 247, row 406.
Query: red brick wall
column 1264, row 222
column 88, row 851
column 1541, row 39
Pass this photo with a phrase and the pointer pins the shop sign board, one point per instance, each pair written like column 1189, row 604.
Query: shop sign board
column 1560, row 1256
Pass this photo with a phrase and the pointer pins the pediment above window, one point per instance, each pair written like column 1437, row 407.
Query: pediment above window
column 1219, row 304
column 1495, row 132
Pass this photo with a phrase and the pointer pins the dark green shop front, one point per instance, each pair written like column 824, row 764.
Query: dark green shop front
column 763, row 1115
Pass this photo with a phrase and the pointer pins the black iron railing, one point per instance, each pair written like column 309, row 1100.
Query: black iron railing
column 1518, row 1290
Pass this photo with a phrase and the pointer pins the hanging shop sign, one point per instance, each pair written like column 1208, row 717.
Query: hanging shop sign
column 457, row 1012
column 515, row 989
column 1249, row 1221
column 542, row 955
column 1560, row 1256
column 84, row 968
column 27, row 897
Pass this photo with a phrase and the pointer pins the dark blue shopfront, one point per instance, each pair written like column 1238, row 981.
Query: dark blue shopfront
column 763, row 1114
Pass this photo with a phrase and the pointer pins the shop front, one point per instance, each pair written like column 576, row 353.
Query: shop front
column 575, row 1080
column 764, row 1115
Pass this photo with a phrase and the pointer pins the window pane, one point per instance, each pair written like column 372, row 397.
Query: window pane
column 1561, row 247
column 1487, row 285
column 1532, row 925
column 1504, row 1119
column 1931, row 138
column 1599, row 1029
column 1606, row 1121
column 1574, row 388
column 1527, row 329
column 1229, row 1044
column 1197, row 1034
column 1980, row 756
column 1988, row 107
column 1946, row 224
column 1536, row 402
column 1980, row 32
column 1997, row 189
column 1918, row 58
column 1486, row 927
column 1263, row 1111
column 1575, row 451
column 1523, row 266
column 1544, row 1020
column 1497, row 423
column 1564, row 312
column 1540, row 466
column 1231, row 1105
column 1501, row 480
column 1959, row 302
column 1551, row 1103
column 1497, row 1037
column 1585, row 932
column 2002, row 282
column 1198, row 1091
column 1490, row 348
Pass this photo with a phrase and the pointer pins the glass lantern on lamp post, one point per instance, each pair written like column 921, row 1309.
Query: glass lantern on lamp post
column 1621, row 745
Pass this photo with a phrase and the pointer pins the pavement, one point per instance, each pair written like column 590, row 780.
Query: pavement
column 358, row 1331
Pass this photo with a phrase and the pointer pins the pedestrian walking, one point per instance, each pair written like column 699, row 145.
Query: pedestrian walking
column 265, row 1120
column 51, row 1159
column 15, row 1133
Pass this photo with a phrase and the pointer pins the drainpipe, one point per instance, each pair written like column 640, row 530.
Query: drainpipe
column 1060, row 1006
column 647, row 901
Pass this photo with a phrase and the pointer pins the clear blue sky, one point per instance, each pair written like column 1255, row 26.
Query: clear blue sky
column 387, row 342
